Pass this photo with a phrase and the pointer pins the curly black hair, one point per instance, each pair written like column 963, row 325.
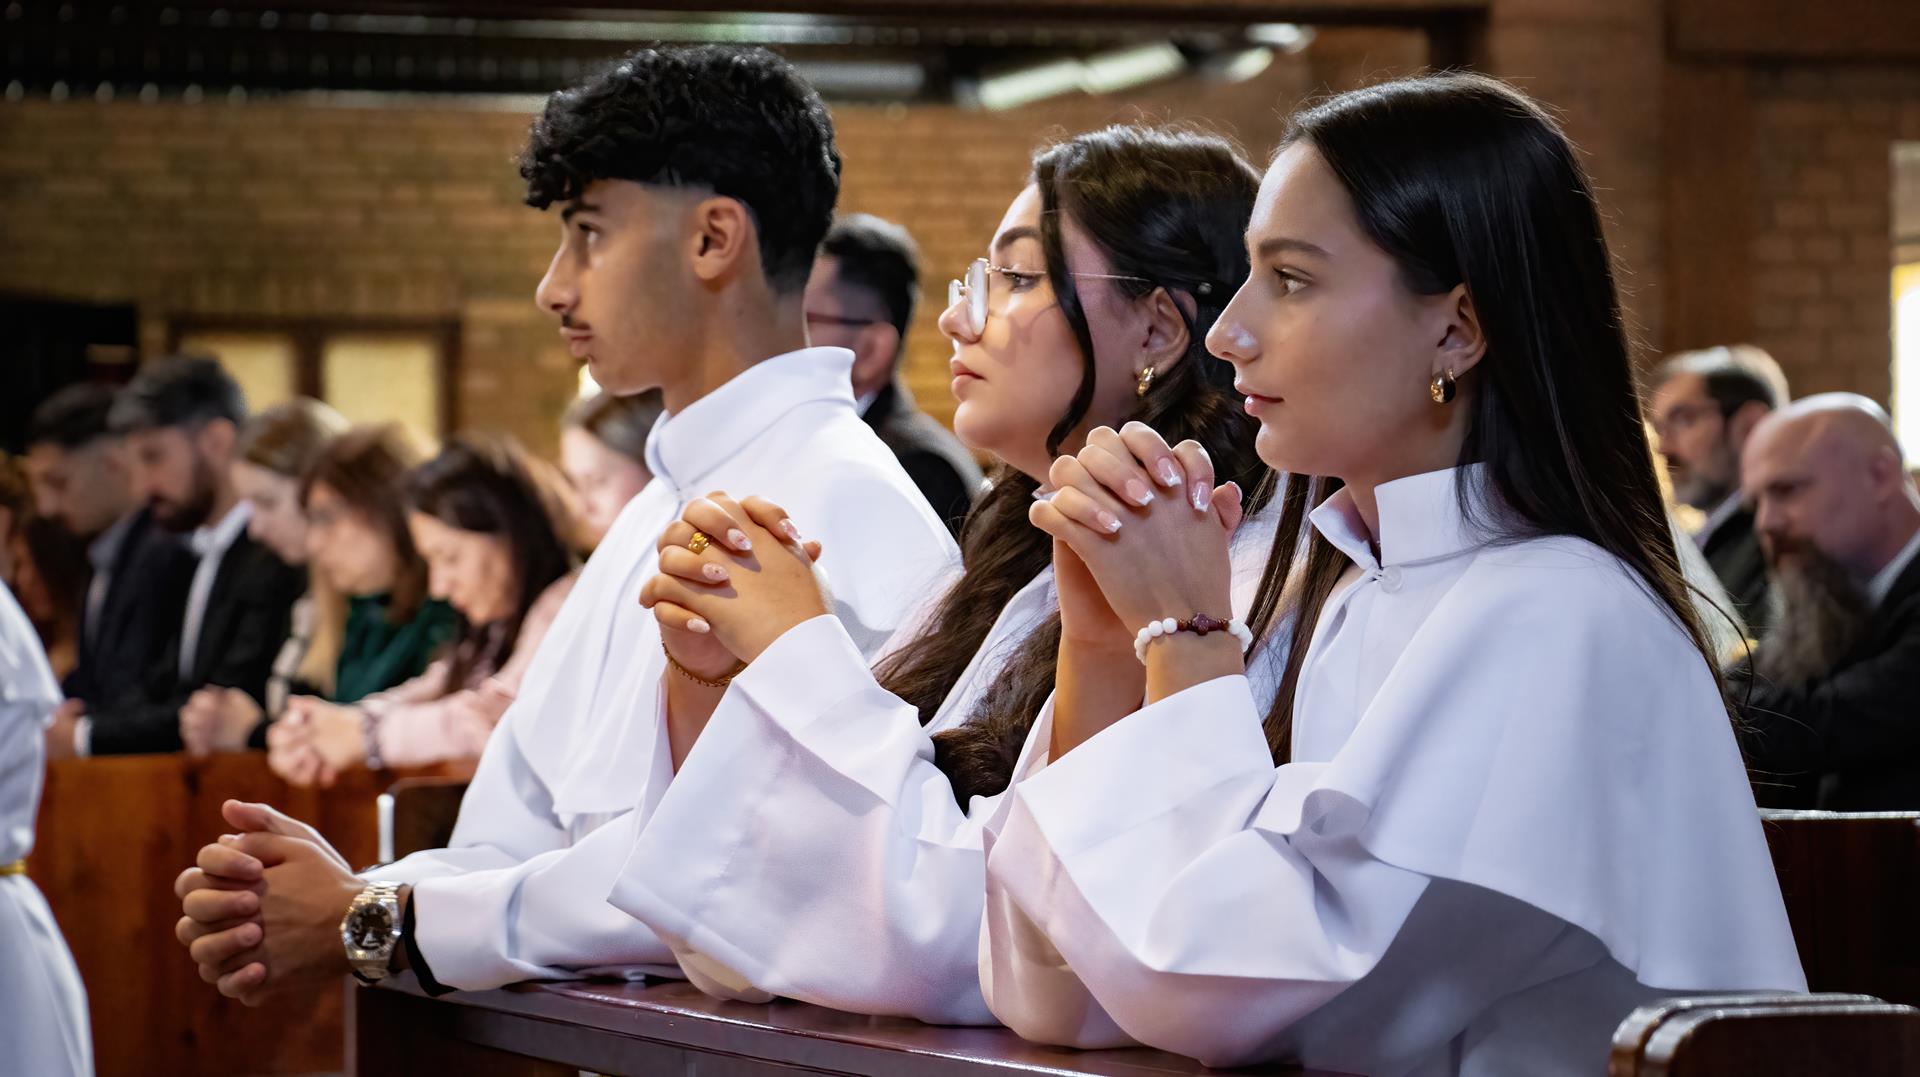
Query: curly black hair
column 740, row 122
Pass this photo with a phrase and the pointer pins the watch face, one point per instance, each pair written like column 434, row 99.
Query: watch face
column 372, row 927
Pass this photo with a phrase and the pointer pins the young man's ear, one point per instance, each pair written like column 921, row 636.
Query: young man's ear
column 722, row 238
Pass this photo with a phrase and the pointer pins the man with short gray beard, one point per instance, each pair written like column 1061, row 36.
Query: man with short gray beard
column 1832, row 694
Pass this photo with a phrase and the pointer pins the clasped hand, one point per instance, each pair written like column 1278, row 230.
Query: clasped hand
column 754, row 579
column 1147, row 523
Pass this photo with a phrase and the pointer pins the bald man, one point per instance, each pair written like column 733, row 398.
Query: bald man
column 1834, row 715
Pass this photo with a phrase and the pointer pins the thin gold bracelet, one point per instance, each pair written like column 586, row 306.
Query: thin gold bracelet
column 695, row 677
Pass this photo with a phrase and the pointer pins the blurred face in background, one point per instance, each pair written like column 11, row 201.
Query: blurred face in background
column 1700, row 442
column 179, row 468
column 350, row 550
column 87, row 488
column 604, row 479
column 470, row 570
column 278, row 523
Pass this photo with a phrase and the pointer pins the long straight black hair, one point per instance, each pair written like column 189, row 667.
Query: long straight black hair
column 1465, row 180
column 1167, row 207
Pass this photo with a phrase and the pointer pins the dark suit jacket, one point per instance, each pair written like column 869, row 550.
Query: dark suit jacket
column 1850, row 742
column 934, row 459
column 139, row 616
column 249, row 613
column 1734, row 553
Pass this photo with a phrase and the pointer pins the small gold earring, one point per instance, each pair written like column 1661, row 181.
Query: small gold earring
column 1145, row 383
column 1442, row 387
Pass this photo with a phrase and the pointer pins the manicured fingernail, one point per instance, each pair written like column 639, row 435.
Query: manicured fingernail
column 792, row 532
column 714, row 572
column 229, row 839
column 1138, row 493
column 1109, row 521
column 1168, row 476
column 737, row 539
column 1201, row 495
column 699, row 624
column 250, row 933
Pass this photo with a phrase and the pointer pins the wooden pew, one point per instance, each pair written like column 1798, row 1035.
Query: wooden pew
column 1768, row 1036
column 556, row 1030
column 112, row 835
column 1852, row 884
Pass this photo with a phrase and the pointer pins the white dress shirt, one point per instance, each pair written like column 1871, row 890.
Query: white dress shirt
column 550, row 815
column 43, row 1007
column 809, row 847
column 210, row 544
column 1717, row 518
column 1514, row 810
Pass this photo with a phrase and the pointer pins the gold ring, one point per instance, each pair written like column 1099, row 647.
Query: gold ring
column 699, row 542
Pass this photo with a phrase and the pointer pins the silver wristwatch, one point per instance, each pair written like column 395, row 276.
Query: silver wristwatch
column 371, row 931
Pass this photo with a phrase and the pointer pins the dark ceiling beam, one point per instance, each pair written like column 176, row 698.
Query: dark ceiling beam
column 1829, row 30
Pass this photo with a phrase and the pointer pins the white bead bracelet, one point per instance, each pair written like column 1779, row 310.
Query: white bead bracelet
column 1200, row 624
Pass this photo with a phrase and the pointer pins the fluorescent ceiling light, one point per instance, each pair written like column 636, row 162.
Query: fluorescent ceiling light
column 1108, row 72
column 1285, row 36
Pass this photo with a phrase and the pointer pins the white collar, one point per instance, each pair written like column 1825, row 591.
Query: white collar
column 217, row 538
column 686, row 446
column 1724, row 511
column 1882, row 583
column 1420, row 518
column 865, row 401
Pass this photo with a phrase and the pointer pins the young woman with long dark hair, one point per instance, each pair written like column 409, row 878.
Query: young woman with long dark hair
column 1496, row 801
column 494, row 529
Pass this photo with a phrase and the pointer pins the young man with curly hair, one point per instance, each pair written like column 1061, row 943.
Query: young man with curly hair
column 693, row 186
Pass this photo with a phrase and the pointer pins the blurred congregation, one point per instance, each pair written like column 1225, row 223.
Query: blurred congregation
column 1085, row 536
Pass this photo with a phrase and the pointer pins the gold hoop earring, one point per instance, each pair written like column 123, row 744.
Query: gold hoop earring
column 1145, row 383
column 1441, row 390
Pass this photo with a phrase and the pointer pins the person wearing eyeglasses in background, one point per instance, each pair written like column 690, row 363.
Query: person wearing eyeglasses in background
column 861, row 295
column 1703, row 406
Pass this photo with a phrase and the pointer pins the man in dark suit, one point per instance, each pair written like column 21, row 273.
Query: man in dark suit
column 180, row 418
column 861, row 297
column 1705, row 405
column 1833, row 691
column 132, row 606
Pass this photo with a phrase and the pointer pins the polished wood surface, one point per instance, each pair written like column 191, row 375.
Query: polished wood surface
column 1761, row 1036
column 1852, row 884
column 113, row 834
column 670, row 1027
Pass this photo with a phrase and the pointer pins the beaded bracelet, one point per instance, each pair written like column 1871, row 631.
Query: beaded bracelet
column 1199, row 624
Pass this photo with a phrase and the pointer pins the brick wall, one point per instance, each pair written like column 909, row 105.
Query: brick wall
column 1823, row 246
column 285, row 209
column 280, row 208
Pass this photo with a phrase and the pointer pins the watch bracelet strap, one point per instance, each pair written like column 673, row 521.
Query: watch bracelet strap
column 373, row 891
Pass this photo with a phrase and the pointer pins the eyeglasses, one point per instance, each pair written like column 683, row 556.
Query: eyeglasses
column 977, row 288
column 1682, row 417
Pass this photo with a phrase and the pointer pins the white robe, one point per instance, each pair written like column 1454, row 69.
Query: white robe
column 809, row 848
column 43, row 1007
column 1515, row 810
column 521, row 892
